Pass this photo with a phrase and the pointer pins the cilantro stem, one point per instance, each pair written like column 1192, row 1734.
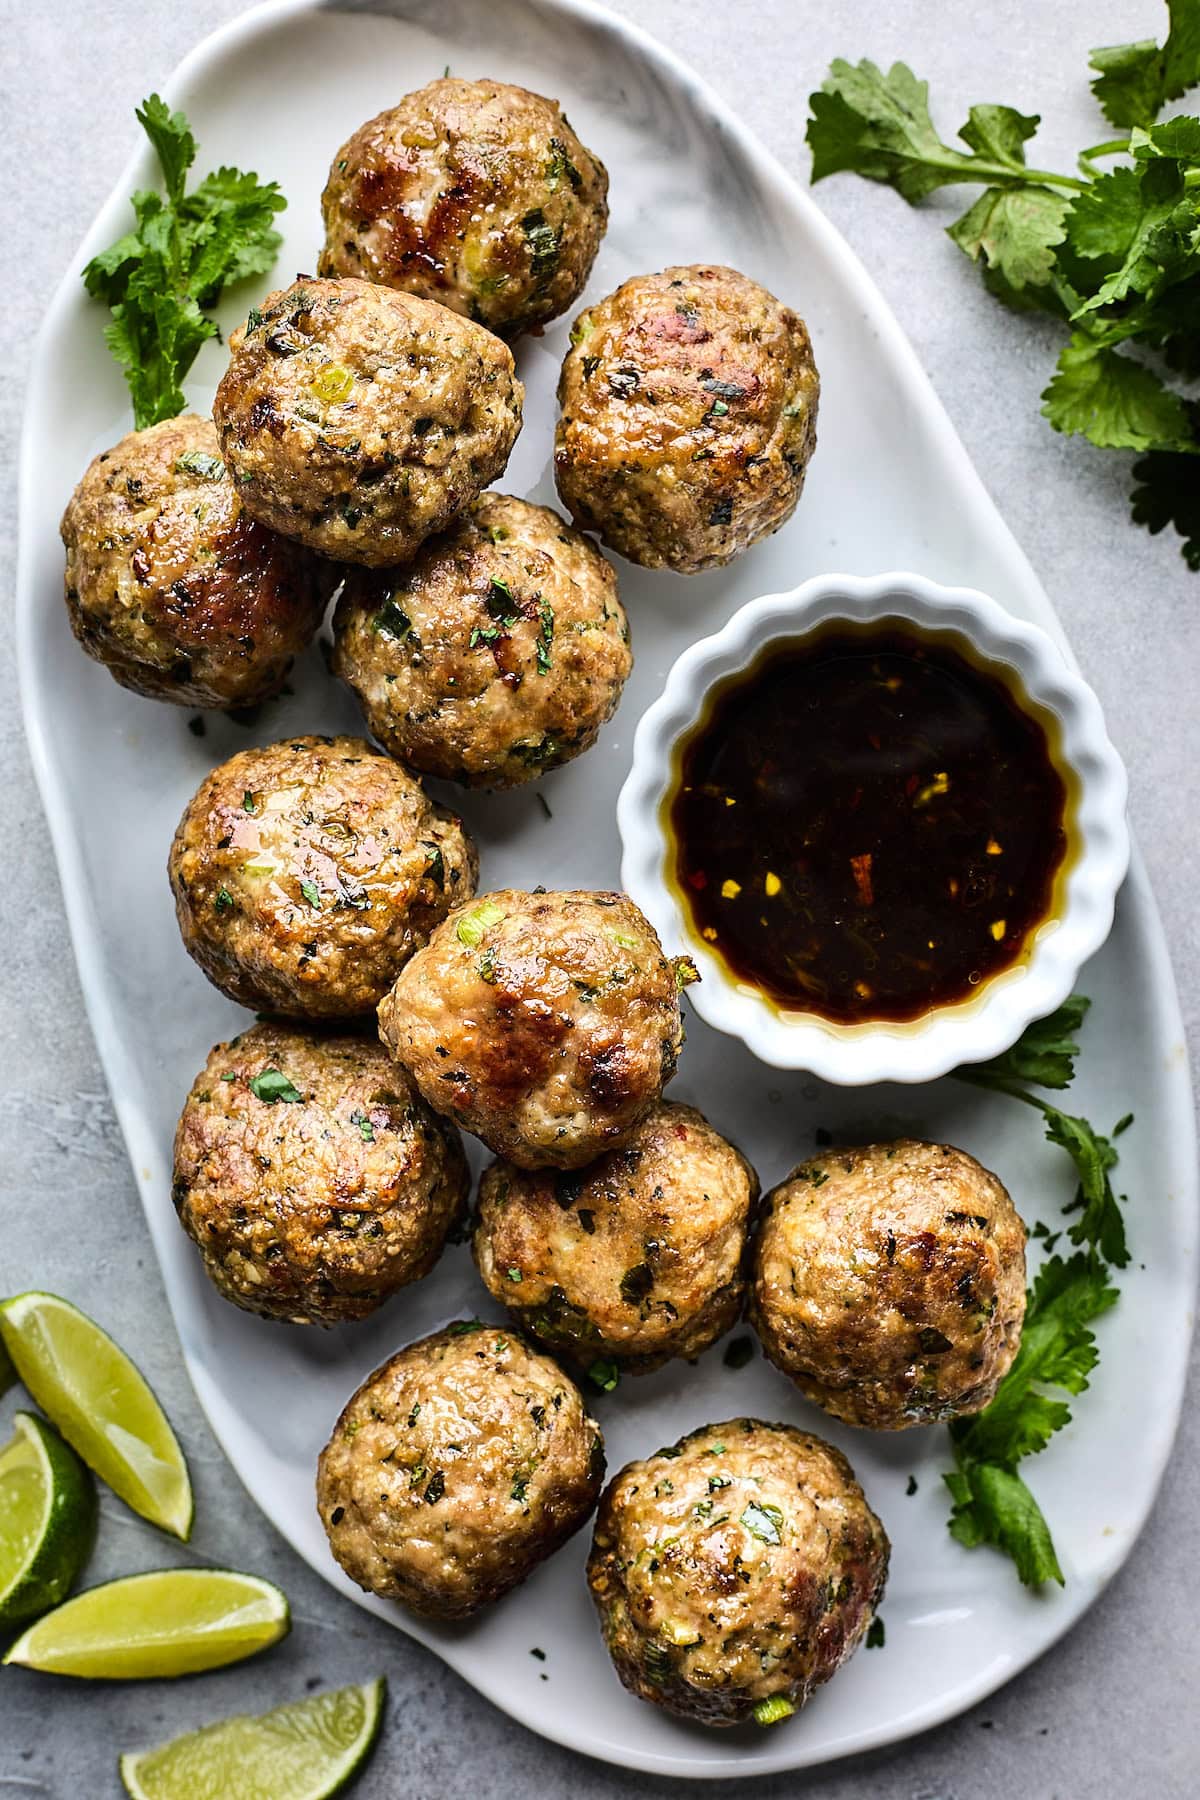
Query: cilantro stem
column 1110, row 147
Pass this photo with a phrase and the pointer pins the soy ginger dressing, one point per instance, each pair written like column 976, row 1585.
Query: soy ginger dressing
column 868, row 824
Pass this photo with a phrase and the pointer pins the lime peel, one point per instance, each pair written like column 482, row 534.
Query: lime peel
column 309, row 1750
column 101, row 1403
column 47, row 1520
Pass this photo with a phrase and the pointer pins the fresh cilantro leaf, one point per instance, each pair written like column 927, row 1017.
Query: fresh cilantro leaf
column 879, row 125
column 1116, row 254
column 1105, row 396
column 1168, row 493
column 1058, row 1350
column 1046, row 1050
column 1141, row 219
column 160, row 279
column 999, row 132
column 270, row 1085
column 174, row 145
column 993, row 1506
column 1012, row 233
column 1134, row 81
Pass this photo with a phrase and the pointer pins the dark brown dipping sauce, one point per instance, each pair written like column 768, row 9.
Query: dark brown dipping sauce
column 866, row 825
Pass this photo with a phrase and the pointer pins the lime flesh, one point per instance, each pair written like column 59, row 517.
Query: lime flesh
column 102, row 1405
column 169, row 1622
column 307, row 1751
column 47, row 1520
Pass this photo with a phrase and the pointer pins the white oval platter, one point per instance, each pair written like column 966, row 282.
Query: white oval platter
column 890, row 487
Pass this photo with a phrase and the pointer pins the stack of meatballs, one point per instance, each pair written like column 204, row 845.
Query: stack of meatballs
column 319, row 1163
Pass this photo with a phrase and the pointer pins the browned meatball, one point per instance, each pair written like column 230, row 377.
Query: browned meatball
column 456, row 1468
column 473, row 193
column 689, row 410
column 305, row 875
column 312, row 1176
column 637, row 1257
column 361, row 421
column 889, row 1282
column 172, row 585
column 735, row 1571
column 547, row 1024
column 497, row 654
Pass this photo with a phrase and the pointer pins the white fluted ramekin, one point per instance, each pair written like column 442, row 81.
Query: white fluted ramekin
column 994, row 1016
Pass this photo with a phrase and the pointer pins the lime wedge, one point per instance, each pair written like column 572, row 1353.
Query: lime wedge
column 101, row 1404
column 47, row 1520
column 302, row 1752
column 8, row 1375
column 170, row 1622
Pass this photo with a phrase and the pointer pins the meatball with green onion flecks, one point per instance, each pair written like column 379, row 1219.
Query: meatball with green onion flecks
column 311, row 1176
column 497, row 654
column 735, row 1571
column 307, row 872
column 476, row 194
column 547, row 1024
column 456, row 1468
column 638, row 1257
column 172, row 585
column 688, row 416
column 889, row 1282
column 360, row 421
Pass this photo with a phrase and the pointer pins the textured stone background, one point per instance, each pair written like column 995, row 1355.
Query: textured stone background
column 1111, row 1712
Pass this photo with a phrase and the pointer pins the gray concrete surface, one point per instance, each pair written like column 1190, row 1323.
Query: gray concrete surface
column 1111, row 1712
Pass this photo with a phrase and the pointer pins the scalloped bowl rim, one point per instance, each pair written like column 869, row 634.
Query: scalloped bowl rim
column 992, row 1020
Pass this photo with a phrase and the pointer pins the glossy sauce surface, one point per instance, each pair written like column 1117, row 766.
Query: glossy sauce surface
column 866, row 825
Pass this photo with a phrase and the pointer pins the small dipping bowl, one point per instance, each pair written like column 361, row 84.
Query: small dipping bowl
column 992, row 1015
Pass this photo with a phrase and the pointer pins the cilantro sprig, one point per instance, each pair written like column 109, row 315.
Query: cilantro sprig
column 161, row 279
column 1114, row 254
column 991, row 1502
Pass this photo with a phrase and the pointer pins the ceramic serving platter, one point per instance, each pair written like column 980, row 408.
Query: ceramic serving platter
column 890, row 487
